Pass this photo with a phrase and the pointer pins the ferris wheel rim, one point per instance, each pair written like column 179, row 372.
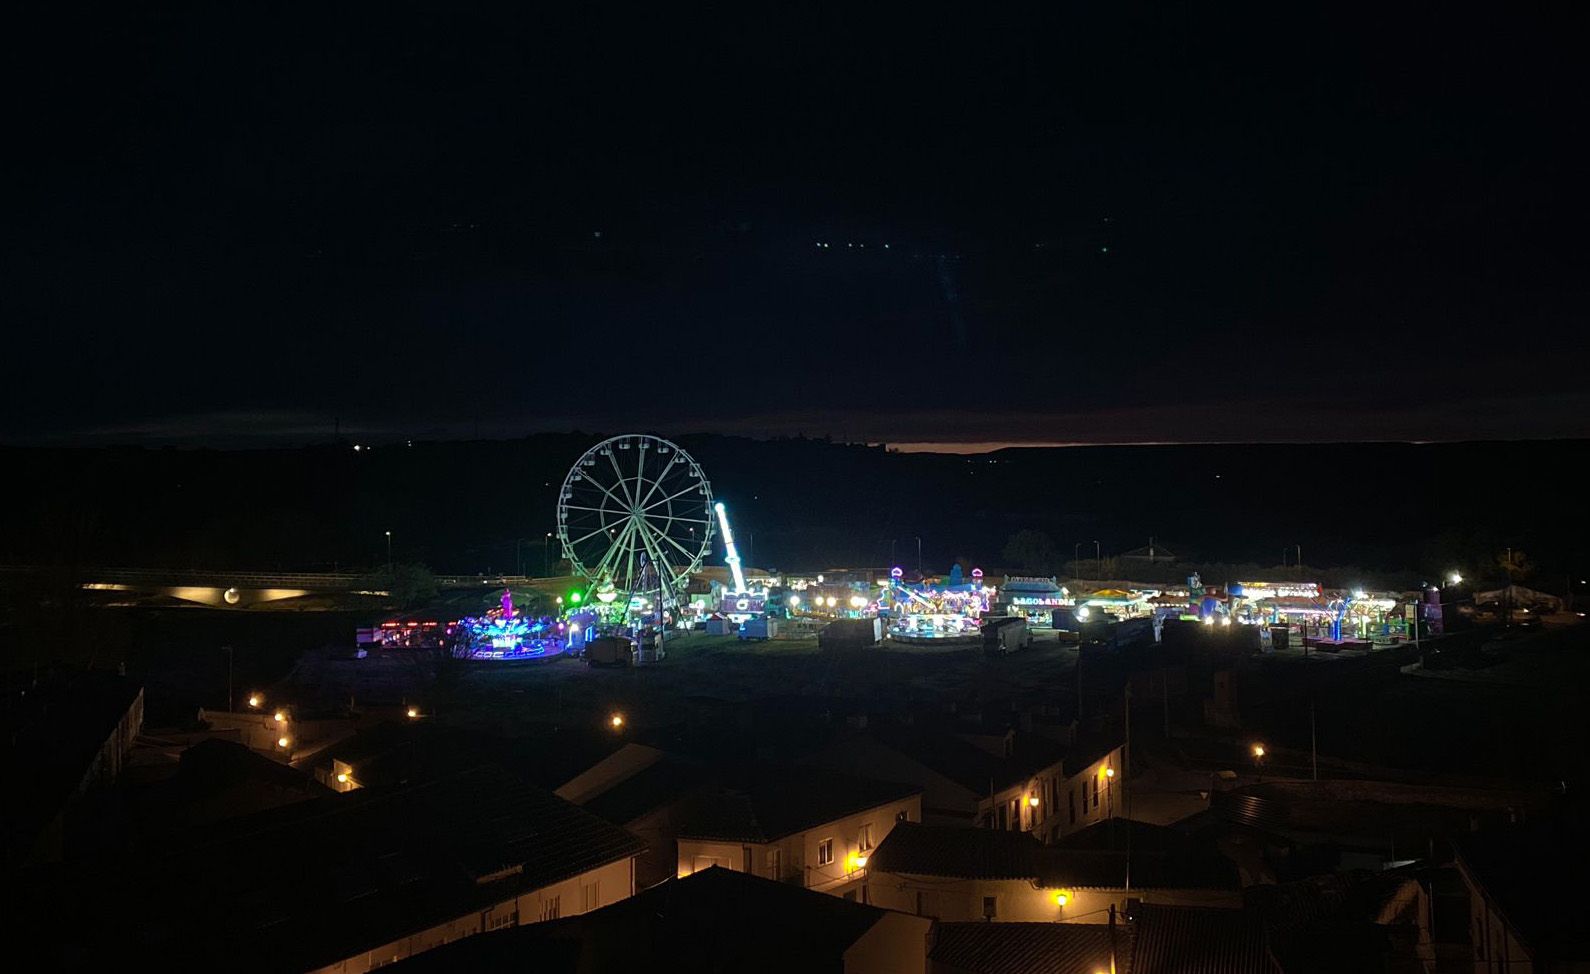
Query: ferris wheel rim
column 646, row 524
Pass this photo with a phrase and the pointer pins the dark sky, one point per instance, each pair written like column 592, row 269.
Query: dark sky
column 240, row 223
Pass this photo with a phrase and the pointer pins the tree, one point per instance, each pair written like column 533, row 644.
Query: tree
column 409, row 584
column 1515, row 563
column 1030, row 550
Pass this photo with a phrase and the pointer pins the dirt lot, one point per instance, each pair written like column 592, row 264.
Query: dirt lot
column 507, row 697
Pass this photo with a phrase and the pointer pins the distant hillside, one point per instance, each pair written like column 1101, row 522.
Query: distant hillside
column 804, row 503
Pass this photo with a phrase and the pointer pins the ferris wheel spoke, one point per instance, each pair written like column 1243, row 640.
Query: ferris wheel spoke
column 614, row 461
column 611, row 496
column 690, row 556
column 656, row 484
column 598, row 510
column 670, row 497
column 613, row 549
column 584, row 537
column 659, row 563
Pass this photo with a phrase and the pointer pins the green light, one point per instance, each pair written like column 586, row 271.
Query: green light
column 574, row 597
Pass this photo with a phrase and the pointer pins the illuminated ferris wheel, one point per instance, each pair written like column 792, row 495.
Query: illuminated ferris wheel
column 635, row 514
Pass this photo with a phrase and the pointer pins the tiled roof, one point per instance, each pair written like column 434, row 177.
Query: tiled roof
column 940, row 850
column 968, row 765
column 1030, row 948
column 761, row 803
column 1194, row 940
column 713, row 920
column 651, row 788
column 321, row 880
column 935, row 850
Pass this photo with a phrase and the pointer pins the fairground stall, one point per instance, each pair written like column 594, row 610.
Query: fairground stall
column 1034, row 598
column 932, row 609
column 507, row 633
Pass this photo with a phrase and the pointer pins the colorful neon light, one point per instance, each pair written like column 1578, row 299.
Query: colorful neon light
column 731, row 553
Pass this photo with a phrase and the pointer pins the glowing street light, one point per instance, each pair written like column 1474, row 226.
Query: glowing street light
column 283, row 741
column 1258, row 751
column 617, row 721
column 1109, row 772
column 1062, row 898
column 256, row 701
column 1454, row 578
column 342, row 777
column 280, row 716
column 1032, row 801
column 413, row 712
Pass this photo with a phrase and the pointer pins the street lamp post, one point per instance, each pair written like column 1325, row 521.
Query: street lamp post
column 1076, row 555
column 1098, row 560
column 228, row 678
column 546, row 556
column 389, row 551
column 919, row 556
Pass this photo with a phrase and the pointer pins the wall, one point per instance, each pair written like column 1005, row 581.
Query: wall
column 1496, row 949
column 613, row 882
column 896, row 944
column 1052, row 817
column 799, row 851
column 1019, row 900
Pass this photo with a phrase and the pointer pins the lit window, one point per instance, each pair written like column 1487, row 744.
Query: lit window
column 864, row 841
column 825, row 852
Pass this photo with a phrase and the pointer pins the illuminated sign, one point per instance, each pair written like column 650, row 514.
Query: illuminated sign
column 1277, row 590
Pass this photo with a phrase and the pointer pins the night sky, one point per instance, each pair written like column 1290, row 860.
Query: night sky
column 236, row 224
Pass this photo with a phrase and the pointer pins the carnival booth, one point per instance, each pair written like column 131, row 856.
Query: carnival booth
column 934, row 609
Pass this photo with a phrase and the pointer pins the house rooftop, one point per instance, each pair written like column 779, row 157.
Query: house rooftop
column 713, row 920
column 1195, row 940
column 935, row 850
column 1030, row 948
column 960, row 758
column 317, row 881
column 761, row 803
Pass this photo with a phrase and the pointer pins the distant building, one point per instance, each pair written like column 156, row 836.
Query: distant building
column 66, row 736
column 713, row 920
column 979, row 874
column 1014, row 781
column 807, row 826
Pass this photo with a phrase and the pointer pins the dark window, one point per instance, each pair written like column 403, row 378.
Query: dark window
column 904, row 816
column 990, row 909
column 919, row 903
column 1071, row 804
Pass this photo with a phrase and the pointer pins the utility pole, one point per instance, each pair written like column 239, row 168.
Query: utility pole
column 1313, row 739
column 1164, row 680
column 919, row 557
column 1098, row 561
